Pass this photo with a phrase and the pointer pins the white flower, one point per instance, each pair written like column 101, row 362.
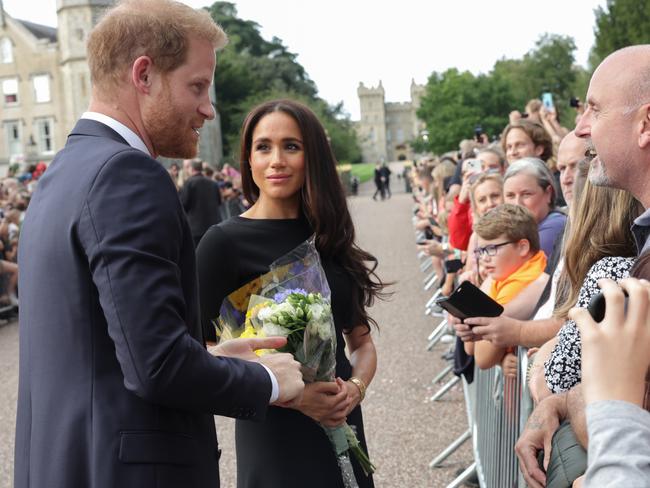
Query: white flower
column 264, row 314
column 316, row 311
column 325, row 330
column 272, row 330
column 283, row 307
column 321, row 329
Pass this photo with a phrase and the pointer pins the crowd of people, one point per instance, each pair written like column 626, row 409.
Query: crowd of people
column 119, row 360
column 542, row 220
column 208, row 196
column 16, row 189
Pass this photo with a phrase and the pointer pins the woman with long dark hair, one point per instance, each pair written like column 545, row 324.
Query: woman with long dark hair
column 289, row 175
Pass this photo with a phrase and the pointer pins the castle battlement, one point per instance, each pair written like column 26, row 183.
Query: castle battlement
column 386, row 128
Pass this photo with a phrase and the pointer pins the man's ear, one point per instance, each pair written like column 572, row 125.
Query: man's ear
column 539, row 150
column 142, row 73
column 644, row 127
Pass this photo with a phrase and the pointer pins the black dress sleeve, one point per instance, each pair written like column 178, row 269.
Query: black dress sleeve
column 217, row 273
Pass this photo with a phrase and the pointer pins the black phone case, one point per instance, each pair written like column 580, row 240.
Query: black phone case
column 469, row 301
column 453, row 265
column 596, row 307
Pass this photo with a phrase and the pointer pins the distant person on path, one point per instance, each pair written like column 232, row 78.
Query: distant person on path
column 201, row 200
column 116, row 387
column 379, row 183
column 385, row 173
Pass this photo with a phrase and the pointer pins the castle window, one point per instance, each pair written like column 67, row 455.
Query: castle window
column 10, row 91
column 6, row 50
column 13, row 137
column 44, row 139
column 400, row 135
column 41, row 88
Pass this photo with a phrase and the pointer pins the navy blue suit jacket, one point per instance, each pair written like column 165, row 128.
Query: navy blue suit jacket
column 116, row 388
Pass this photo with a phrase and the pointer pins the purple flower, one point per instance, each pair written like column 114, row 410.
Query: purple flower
column 282, row 296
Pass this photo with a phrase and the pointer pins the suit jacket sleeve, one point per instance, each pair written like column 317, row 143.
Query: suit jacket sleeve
column 185, row 194
column 130, row 229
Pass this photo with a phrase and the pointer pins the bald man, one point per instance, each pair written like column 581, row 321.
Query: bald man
column 570, row 152
column 616, row 130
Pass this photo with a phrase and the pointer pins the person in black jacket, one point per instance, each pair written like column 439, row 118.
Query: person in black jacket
column 201, row 199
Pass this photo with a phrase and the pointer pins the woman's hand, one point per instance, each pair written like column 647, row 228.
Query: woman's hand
column 326, row 402
column 615, row 352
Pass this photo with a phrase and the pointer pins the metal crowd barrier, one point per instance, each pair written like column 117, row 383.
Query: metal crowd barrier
column 497, row 410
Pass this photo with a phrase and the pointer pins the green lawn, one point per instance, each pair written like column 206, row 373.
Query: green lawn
column 362, row 171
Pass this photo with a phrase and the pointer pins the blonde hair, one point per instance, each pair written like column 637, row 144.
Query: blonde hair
column 599, row 227
column 159, row 29
column 483, row 177
column 513, row 221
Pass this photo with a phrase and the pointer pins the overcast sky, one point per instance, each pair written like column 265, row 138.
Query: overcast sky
column 343, row 42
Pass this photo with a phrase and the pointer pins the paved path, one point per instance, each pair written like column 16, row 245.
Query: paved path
column 404, row 429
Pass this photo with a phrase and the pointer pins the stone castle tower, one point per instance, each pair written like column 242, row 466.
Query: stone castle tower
column 76, row 19
column 372, row 126
column 385, row 129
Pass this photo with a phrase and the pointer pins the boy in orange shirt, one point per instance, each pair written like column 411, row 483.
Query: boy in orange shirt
column 509, row 252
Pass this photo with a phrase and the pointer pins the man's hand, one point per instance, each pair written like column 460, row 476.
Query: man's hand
column 463, row 331
column 501, row 331
column 287, row 372
column 537, row 435
column 245, row 348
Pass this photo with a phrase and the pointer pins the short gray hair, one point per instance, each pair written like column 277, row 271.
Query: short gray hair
column 536, row 168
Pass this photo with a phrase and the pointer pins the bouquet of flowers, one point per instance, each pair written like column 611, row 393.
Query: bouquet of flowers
column 292, row 300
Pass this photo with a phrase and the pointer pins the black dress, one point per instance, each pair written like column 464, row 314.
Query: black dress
column 288, row 449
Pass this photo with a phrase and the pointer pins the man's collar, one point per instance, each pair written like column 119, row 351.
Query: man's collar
column 641, row 231
column 127, row 134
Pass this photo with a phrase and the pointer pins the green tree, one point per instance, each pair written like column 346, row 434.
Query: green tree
column 455, row 103
column 251, row 70
column 622, row 23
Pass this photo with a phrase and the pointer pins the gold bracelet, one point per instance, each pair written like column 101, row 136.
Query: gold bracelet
column 358, row 382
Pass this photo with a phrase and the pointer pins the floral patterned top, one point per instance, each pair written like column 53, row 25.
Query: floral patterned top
column 562, row 369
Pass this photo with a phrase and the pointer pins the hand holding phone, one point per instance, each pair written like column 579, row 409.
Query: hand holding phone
column 547, row 101
column 469, row 301
column 597, row 305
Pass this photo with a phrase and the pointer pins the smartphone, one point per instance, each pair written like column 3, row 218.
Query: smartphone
column 453, row 265
column 547, row 101
column 596, row 307
column 428, row 233
column 469, row 301
column 478, row 132
column 474, row 165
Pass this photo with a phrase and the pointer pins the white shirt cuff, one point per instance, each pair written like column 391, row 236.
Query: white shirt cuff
column 275, row 388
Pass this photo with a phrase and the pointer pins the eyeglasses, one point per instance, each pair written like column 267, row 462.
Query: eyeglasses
column 489, row 250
